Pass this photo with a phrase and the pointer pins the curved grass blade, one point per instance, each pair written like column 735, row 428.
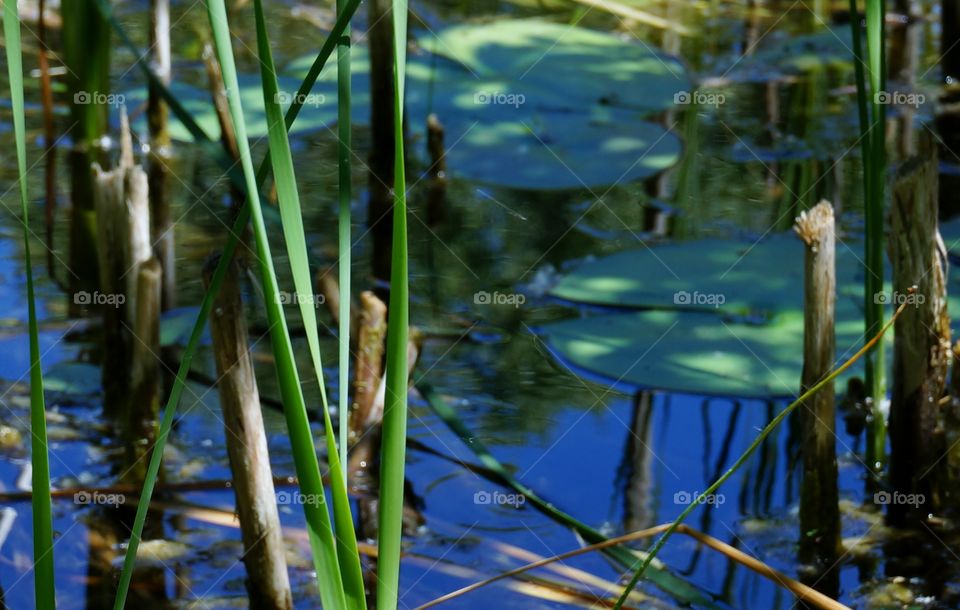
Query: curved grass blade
column 344, row 221
column 206, row 305
column 678, row 588
column 322, row 540
column 43, row 574
column 296, row 244
column 393, row 444
column 757, row 442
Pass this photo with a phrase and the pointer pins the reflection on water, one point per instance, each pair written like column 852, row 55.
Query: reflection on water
column 615, row 460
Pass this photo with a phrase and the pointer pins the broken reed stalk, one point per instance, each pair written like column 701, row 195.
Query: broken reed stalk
column 141, row 419
column 159, row 157
column 437, row 172
column 264, row 554
column 757, row 443
column 921, row 340
column 819, row 497
column 368, row 370
column 120, row 199
column 803, row 592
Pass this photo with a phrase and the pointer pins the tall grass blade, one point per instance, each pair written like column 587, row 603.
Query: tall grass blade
column 296, row 244
column 394, row 441
column 43, row 575
column 344, row 150
column 319, row 528
column 230, row 247
column 875, row 168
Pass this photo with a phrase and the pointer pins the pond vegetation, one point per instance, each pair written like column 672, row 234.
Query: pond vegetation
column 586, row 303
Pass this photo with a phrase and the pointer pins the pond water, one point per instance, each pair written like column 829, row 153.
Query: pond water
column 613, row 457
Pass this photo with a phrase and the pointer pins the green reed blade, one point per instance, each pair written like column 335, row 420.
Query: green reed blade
column 206, row 305
column 296, row 244
column 43, row 574
column 344, row 150
column 394, row 441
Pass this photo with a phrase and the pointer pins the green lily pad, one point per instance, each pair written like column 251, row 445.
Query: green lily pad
column 320, row 107
column 72, row 378
column 562, row 151
column 696, row 352
column 830, row 49
column 579, row 66
column 717, row 275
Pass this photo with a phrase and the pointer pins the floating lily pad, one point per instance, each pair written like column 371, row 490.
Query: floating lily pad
column 513, row 128
column 320, row 108
column 830, row 49
column 560, row 152
column 712, row 274
column 73, row 378
column 579, row 66
column 695, row 352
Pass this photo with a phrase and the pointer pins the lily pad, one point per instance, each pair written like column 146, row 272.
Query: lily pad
column 830, row 49
column 512, row 128
column 320, row 107
column 579, row 66
column 716, row 275
column 73, row 378
column 560, row 151
column 695, row 352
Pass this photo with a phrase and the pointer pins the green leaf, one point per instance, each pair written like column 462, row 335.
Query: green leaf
column 296, row 245
column 693, row 352
column 394, row 428
column 577, row 65
column 319, row 528
column 42, row 517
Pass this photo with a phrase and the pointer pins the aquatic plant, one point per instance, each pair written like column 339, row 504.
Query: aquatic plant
column 43, row 578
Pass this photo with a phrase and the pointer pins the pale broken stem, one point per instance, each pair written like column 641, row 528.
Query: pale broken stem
column 802, row 591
